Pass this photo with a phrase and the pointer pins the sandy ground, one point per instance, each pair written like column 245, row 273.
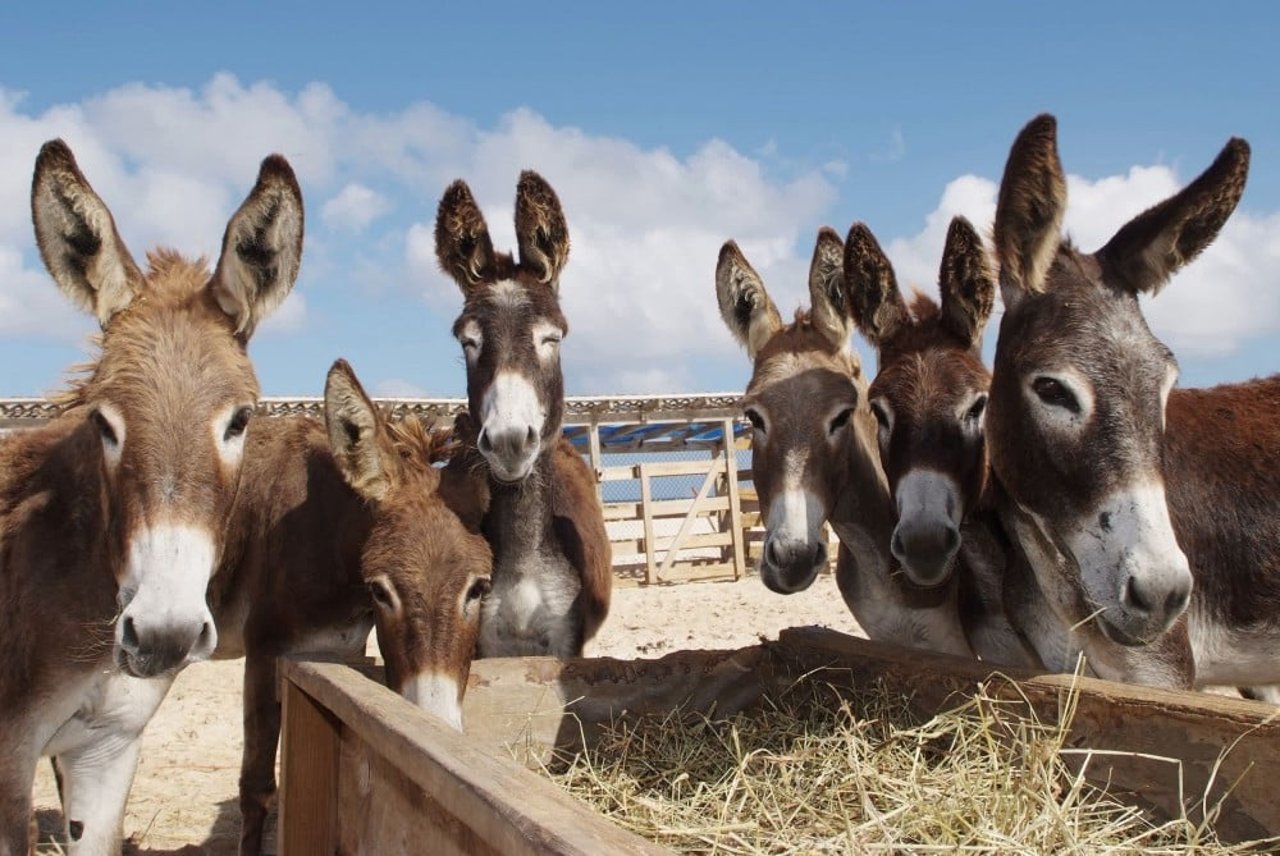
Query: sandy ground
column 184, row 796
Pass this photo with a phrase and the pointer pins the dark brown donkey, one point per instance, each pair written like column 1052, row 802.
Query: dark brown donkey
column 1120, row 488
column 929, row 398
column 113, row 517
column 814, row 456
column 339, row 526
column 552, row 576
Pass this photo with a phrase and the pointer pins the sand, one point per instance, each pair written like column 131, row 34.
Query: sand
column 184, row 796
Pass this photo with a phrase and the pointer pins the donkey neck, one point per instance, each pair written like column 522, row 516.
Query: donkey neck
column 519, row 520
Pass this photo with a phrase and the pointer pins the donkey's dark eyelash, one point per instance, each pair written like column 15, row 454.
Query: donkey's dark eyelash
column 104, row 427
column 841, row 419
column 1052, row 392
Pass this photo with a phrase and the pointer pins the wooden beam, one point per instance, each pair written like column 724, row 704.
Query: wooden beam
column 597, row 464
column 646, row 512
column 735, row 501
column 310, row 752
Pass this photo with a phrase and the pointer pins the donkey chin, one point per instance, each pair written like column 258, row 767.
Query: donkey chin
column 164, row 621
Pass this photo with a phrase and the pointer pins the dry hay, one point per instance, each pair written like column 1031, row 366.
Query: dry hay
column 816, row 772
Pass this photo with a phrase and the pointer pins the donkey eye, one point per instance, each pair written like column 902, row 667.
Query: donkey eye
column 381, row 594
column 478, row 589
column 756, row 420
column 551, row 339
column 469, row 344
column 882, row 415
column 976, row 410
column 239, row 421
column 841, row 420
column 104, row 428
column 1052, row 392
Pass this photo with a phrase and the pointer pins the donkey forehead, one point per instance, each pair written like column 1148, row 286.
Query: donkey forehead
column 1090, row 328
column 175, row 367
column 424, row 541
column 930, row 381
column 837, row 370
column 802, row 390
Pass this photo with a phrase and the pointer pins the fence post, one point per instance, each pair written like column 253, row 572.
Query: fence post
column 646, row 513
column 597, row 465
column 735, row 501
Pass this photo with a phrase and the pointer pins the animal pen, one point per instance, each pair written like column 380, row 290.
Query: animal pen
column 673, row 473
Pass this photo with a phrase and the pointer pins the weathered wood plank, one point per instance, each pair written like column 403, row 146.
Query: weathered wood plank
column 502, row 805
column 309, row 775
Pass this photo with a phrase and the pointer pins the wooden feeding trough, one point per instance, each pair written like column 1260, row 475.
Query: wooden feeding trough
column 365, row 772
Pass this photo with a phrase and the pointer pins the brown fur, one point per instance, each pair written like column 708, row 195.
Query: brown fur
column 307, row 543
column 145, row 441
column 550, row 516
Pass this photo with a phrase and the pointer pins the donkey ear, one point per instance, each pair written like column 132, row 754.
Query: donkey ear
column 965, row 281
column 1033, row 198
column 744, row 304
column 262, row 248
column 77, row 236
column 1151, row 247
column 873, row 297
column 826, row 288
column 541, row 231
column 357, row 438
column 463, row 248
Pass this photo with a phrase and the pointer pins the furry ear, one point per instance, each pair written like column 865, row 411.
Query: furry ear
column 261, row 249
column 967, row 288
column 744, row 304
column 826, row 288
column 871, row 288
column 1032, row 201
column 541, row 231
column 357, row 437
column 77, row 236
column 1151, row 247
column 464, row 249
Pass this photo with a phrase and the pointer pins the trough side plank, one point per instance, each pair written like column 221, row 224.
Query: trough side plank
column 308, row 822
column 509, row 808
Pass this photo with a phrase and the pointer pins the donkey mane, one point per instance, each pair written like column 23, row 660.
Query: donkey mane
column 423, row 442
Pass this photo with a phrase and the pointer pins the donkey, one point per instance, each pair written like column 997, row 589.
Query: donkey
column 552, row 575
column 339, row 526
column 814, row 457
column 929, row 399
column 1132, row 499
column 113, row 516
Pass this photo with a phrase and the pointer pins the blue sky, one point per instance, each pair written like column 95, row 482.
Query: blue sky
column 667, row 128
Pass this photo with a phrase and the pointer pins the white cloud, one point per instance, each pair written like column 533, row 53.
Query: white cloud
column 398, row 388
column 355, row 207
column 1225, row 297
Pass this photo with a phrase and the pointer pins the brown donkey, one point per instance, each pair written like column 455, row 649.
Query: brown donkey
column 113, row 516
column 814, row 457
column 339, row 526
column 929, row 398
column 552, row 576
column 1120, row 488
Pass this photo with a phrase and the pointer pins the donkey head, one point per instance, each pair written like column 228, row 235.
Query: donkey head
column 511, row 325
column 930, row 392
column 813, row 443
column 171, row 394
column 1076, row 420
column 426, row 570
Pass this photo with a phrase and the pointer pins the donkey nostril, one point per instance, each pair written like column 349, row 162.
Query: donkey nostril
column 129, row 634
column 206, row 636
column 952, row 540
column 1178, row 600
column 898, row 550
column 530, row 437
column 771, row 552
column 1134, row 597
column 483, row 442
column 819, row 554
